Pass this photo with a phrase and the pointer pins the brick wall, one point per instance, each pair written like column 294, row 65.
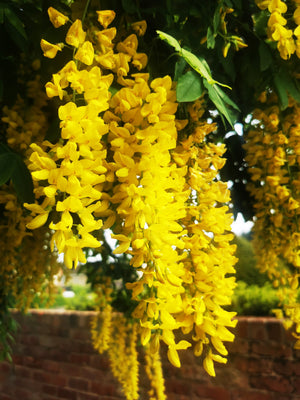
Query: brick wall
column 54, row 360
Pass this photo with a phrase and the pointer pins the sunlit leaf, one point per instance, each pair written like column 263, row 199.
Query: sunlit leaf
column 189, row 87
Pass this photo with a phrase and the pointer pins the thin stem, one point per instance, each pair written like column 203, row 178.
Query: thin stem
column 85, row 10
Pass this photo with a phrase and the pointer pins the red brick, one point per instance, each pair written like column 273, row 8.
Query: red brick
column 275, row 330
column 213, row 392
column 28, row 384
column 58, row 355
column 174, row 396
column 5, row 367
column 70, row 369
column 23, row 394
column 175, row 386
column 78, row 383
column 80, row 334
column 242, row 328
column 93, row 374
column 50, row 389
column 31, row 340
column 296, row 368
column 250, row 395
column 273, row 383
column 272, row 349
column 283, row 367
column 296, row 384
column 23, row 372
column 38, row 375
column 17, row 359
column 257, row 329
column 51, row 366
column 78, row 358
column 252, row 364
column 239, row 346
column 55, row 379
column 88, row 396
column 66, row 394
column 102, row 388
column 100, row 362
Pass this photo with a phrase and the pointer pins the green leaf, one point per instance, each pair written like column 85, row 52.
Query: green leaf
column 7, row 166
column 217, row 98
column 189, row 87
column 15, row 21
column 197, row 63
column 265, row 56
column 210, row 38
column 170, row 40
column 226, row 98
column 15, row 27
column 260, row 22
column 284, row 85
column 22, row 181
column 179, row 68
column 216, row 19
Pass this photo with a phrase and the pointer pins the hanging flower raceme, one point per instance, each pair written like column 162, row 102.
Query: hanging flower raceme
column 209, row 260
column 72, row 171
column 149, row 199
column 120, row 164
column 27, row 266
column 272, row 153
column 288, row 40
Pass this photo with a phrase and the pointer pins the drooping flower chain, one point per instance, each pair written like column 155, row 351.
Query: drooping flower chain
column 113, row 168
column 272, row 153
column 288, row 40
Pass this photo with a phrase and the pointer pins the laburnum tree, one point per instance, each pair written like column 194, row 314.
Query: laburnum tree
column 151, row 126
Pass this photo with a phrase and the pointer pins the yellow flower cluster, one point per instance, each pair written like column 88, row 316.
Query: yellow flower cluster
column 25, row 122
column 121, row 164
column 209, row 255
column 288, row 40
column 155, row 374
column 272, row 153
column 116, row 335
column 75, row 169
column 27, row 265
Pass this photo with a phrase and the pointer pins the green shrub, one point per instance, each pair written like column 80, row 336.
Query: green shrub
column 246, row 270
column 84, row 299
column 254, row 299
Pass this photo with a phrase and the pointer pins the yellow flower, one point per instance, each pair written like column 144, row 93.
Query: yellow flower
column 296, row 15
column 277, row 5
column 57, row 18
column 50, row 50
column 75, row 35
column 139, row 27
column 208, row 364
column 85, row 53
column 73, row 253
column 54, row 88
column 172, row 352
column 105, row 17
column 263, row 4
column 129, row 45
